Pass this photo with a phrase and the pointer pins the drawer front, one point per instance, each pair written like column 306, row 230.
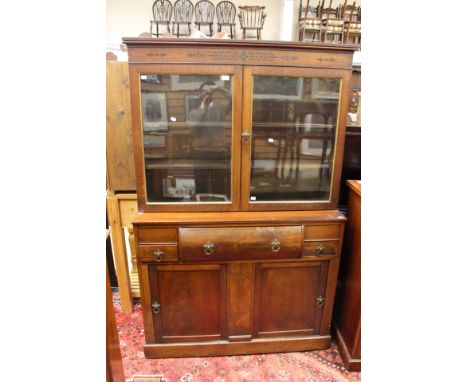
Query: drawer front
column 320, row 248
column 157, row 235
column 321, row 232
column 240, row 243
column 158, row 253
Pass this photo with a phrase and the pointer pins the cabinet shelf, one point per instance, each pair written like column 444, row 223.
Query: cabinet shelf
column 195, row 164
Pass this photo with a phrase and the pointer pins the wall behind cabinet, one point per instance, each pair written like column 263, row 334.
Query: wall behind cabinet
column 131, row 18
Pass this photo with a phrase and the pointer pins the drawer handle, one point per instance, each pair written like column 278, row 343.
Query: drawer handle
column 156, row 307
column 320, row 301
column 275, row 245
column 320, row 250
column 208, row 248
column 159, row 255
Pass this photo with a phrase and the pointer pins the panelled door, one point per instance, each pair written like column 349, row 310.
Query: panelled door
column 188, row 302
column 289, row 298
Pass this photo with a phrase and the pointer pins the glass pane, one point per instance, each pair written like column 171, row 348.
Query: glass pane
column 187, row 129
column 293, row 138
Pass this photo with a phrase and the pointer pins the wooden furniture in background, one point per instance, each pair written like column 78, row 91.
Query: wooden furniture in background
column 114, row 365
column 333, row 24
column 121, row 210
column 254, row 267
column 310, row 21
column 119, row 146
column 183, row 14
column 252, row 18
column 226, row 16
column 162, row 13
column 352, row 25
column 204, row 15
column 347, row 315
column 121, row 184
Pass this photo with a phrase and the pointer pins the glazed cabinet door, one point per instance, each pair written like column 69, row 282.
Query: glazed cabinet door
column 292, row 139
column 188, row 302
column 186, row 127
column 289, row 298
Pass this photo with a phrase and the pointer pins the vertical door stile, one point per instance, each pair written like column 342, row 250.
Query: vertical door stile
column 247, row 138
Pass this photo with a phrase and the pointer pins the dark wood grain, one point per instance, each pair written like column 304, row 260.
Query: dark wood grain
column 240, row 300
column 240, row 243
column 280, row 308
column 190, row 299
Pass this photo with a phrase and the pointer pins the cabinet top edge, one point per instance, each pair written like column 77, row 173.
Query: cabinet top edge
column 239, row 217
column 132, row 42
column 354, row 185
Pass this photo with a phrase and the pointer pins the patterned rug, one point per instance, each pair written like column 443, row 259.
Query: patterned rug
column 309, row 366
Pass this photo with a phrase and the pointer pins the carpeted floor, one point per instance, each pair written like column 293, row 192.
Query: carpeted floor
column 311, row 366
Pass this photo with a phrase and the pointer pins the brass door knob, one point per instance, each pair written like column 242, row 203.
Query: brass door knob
column 320, row 250
column 275, row 245
column 246, row 136
column 156, row 307
column 159, row 255
column 208, row 248
column 320, row 301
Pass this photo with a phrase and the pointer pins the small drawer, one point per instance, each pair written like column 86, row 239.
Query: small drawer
column 157, row 235
column 240, row 243
column 321, row 232
column 158, row 253
column 320, row 248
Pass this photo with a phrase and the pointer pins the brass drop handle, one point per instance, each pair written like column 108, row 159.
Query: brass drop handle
column 320, row 301
column 159, row 255
column 156, row 307
column 320, row 250
column 275, row 245
column 208, row 248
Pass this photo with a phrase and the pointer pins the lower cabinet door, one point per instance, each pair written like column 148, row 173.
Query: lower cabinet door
column 289, row 298
column 188, row 302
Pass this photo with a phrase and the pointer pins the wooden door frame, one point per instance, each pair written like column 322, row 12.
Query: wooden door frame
column 249, row 71
column 171, row 69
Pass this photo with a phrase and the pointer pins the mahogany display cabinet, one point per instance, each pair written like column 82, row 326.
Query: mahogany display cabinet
column 238, row 154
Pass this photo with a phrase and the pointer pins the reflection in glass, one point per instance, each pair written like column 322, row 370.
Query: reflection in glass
column 293, row 138
column 187, row 128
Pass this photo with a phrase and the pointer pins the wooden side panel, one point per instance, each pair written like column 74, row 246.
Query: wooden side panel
column 348, row 303
column 119, row 146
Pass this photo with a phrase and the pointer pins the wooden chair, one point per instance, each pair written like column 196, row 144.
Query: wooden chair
column 183, row 14
column 310, row 20
column 226, row 16
column 252, row 18
column 204, row 15
column 333, row 23
column 162, row 12
column 352, row 25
